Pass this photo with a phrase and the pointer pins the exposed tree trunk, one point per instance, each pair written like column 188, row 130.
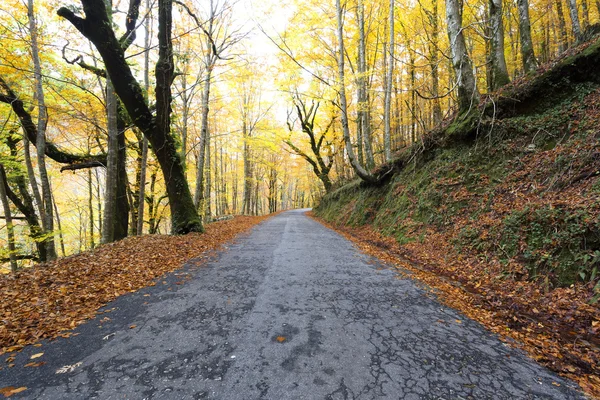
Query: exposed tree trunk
column 184, row 119
column 468, row 94
column 434, row 58
column 207, row 189
column 360, row 171
column 144, row 158
column 121, row 223
column 575, row 25
column 110, row 188
column 527, row 54
column 498, row 63
column 199, row 195
column 48, row 217
column 96, row 27
column 389, row 76
column 8, row 218
column 246, row 207
column 562, row 27
column 32, row 179
column 91, row 209
column 364, row 106
column 61, row 237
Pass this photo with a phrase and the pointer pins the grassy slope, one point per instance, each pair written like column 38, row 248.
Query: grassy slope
column 506, row 201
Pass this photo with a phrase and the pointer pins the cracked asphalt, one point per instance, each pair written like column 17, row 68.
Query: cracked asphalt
column 291, row 310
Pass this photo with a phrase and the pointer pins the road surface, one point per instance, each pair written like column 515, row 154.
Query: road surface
column 291, row 310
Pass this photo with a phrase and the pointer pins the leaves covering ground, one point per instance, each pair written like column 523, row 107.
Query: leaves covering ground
column 520, row 313
column 507, row 229
column 49, row 300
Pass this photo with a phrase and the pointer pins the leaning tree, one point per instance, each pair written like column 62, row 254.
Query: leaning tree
column 96, row 27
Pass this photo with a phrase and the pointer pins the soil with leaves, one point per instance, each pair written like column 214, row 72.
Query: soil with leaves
column 506, row 228
column 559, row 329
column 49, row 300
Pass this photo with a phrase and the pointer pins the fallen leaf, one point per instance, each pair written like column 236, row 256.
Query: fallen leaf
column 35, row 364
column 9, row 390
column 132, row 326
column 33, row 357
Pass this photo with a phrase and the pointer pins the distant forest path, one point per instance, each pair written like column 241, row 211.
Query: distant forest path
column 291, row 310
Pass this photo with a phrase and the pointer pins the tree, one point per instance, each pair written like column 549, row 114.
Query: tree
column 389, row 77
column 46, row 210
column 465, row 80
column 363, row 107
column 527, row 53
column 359, row 169
column 97, row 28
column 575, row 25
column 8, row 218
column 499, row 72
column 321, row 163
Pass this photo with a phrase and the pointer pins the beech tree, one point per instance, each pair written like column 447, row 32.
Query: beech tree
column 343, row 102
column 499, row 74
column 97, row 28
column 527, row 53
column 322, row 149
column 468, row 95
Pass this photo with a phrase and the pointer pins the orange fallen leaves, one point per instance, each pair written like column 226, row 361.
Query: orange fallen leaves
column 49, row 300
column 9, row 390
column 506, row 309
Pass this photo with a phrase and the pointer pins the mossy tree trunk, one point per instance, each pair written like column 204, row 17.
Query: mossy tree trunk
column 97, row 28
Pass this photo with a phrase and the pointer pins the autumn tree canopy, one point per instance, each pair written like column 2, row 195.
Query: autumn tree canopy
column 135, row 117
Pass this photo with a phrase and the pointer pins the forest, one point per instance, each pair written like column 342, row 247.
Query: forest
column 143, row 117
column 456, row 140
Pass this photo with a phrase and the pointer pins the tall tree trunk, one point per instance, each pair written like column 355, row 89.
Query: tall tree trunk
column 434, row 57
column 468, row 94
column 8, row 218
column 527, row 53
column 575, row 25
column 199, row 195
column 246, row 207
column 110, row 191
column 184, row 119
column 207, row 188
column 364, row 106
column 96, row 27
column 389, row 76
column 91, row 209
column 144, row 160
column 61, row 237
column 48, row 217
column 32, row 179
column 562, row 27
column 25, row 204
column 498, row 67
column 360, row 171
column 121, row 223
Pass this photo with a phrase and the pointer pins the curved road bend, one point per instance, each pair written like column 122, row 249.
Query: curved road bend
column 289, row 311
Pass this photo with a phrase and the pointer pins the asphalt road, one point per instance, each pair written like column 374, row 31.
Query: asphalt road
column 291, row 310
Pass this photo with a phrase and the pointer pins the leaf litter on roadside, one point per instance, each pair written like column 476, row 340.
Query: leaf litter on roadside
column 49, row 300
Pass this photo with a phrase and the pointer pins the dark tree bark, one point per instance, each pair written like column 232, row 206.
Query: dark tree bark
column 96, row 27
column 24, row 203
column 321, row 166
column 10, row 97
